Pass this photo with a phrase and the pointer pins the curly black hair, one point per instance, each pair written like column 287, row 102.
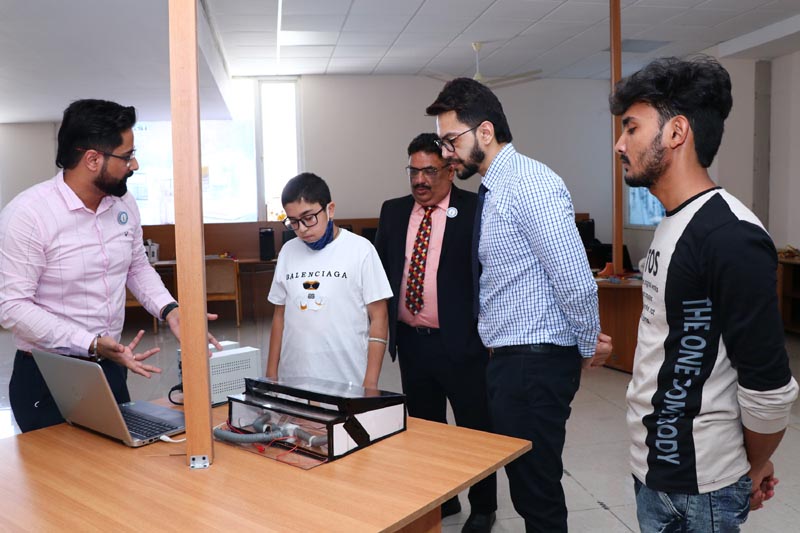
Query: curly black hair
column 473, row 103
column 698, row 88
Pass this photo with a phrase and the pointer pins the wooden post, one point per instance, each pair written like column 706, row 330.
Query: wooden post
column 616, row 130
column 190, row 249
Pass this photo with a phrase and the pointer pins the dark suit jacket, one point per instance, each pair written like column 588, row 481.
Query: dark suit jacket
column 453, row 279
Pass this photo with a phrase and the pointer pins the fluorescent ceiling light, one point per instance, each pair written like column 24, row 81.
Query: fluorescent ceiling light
column 307, row 38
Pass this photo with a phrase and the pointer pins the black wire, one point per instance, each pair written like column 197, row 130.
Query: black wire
column 176, row 388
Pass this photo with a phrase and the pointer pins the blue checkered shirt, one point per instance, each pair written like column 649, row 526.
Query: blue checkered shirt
column 536, row 285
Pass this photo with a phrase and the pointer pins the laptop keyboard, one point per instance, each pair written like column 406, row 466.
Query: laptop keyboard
column 145, row 428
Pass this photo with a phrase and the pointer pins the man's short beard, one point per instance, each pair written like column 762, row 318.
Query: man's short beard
column 110, row 186
column 655, row 166
column 471, row 167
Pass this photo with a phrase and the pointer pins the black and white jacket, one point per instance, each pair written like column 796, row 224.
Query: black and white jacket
column 710, row 355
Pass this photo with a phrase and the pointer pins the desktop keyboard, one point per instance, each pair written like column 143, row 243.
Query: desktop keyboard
column 145, row 428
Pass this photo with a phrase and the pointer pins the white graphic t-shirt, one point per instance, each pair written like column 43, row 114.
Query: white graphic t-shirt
column 326, row 293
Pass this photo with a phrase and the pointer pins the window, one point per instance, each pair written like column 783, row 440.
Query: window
column 279, row 140
column 644, row 209
column 228, row 172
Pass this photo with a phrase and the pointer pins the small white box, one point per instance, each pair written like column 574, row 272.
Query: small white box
column 228, row 368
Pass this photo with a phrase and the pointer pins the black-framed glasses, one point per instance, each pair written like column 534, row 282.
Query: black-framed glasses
column 448, row 143
column 428, row 172
column 307, row 220
column 126, row 158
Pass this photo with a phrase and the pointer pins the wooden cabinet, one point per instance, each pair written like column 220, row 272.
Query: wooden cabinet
column 620, row 310
column 256, row 280
column 789, row 293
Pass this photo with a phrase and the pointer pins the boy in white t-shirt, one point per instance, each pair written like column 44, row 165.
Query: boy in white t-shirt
column 330, row 293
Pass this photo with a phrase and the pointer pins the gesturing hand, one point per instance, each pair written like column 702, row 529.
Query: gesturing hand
column 109, row 348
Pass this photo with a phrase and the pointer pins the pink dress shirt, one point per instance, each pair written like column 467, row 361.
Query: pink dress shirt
column 63, row 268
column 429, row 315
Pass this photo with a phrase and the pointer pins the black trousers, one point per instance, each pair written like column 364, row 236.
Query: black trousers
column 31, row 401
column 529, row 398
column 430, row 377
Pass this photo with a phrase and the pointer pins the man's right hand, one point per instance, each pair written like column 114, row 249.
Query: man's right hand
column 109, row 348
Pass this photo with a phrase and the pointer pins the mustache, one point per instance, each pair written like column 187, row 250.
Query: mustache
column 624, row 159
column 422, row 186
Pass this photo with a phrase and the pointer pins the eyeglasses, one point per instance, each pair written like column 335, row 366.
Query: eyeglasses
column 428, row 172
column 311, row 285
column 127, row 158
column 448, row 143
column 307, row 220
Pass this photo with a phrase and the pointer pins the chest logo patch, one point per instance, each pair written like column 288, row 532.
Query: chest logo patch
column 122, row 218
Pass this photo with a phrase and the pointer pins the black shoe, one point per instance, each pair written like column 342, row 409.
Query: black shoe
column 451, row 507
column 479, row 523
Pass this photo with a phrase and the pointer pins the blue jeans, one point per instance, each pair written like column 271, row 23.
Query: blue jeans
column 720, row 511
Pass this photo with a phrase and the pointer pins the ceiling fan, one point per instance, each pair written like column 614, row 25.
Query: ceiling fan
column 494, row 82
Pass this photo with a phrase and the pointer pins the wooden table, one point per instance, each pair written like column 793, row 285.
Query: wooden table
column 68, row 479
column 620, row 310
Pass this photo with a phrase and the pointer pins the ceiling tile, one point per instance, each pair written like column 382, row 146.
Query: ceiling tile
column 249, row 38
column 737, row 5
column 390, row 23
column 351, row 65
column 745, row 23
column 251, row 52
column 420, row 53
column 312, row 7
column 470, row 9
column 531, row 10
column 245, row 23
column 492, row 30
column 671, row 3
column 308, row 38
column 241, row 7
column 649, row 14
column 579, row 12
column 408, row 38
column 401, row 65
column 312, row 22
column 373, row 38
column 567, row 29
column 293, row 52
column 442, row 22
column 384, row 7
column 359, row 52
column 703, row 17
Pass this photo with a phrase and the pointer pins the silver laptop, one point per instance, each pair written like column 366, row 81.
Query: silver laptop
column 82, row 394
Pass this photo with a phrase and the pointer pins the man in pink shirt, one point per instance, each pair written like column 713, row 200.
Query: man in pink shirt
column 424, row 241
column 68, row 248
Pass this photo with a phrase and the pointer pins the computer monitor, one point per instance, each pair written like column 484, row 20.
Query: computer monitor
column 601, row 253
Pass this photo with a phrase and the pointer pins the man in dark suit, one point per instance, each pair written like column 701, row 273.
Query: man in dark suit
column 424, row 241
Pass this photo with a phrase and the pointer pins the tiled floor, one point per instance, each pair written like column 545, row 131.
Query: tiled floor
column 597, row 481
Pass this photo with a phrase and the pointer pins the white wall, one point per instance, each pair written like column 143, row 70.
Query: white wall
column 356, row 129
column 784, row 215
column 733, row 166
column 27, row 156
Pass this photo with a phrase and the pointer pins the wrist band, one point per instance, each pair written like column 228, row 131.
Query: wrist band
column 94, row 347
column 168, row 309
column 376, row 339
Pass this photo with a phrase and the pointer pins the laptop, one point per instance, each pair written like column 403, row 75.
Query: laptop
column 82, row 394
